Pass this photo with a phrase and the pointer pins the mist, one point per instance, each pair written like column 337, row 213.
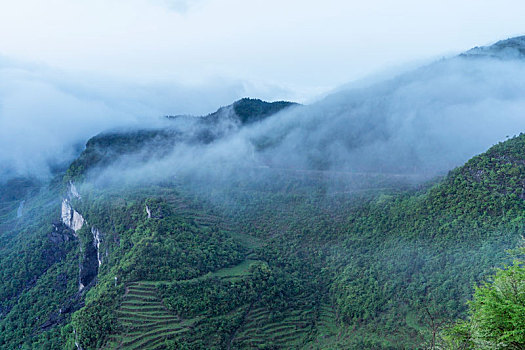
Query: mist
column 427, row 121
column 419, row 125
column 47, row 115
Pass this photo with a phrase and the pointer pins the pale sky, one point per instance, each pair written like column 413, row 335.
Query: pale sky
column 304, row 46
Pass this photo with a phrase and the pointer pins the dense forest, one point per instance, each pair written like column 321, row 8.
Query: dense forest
column 257, row 255
column 280, row 260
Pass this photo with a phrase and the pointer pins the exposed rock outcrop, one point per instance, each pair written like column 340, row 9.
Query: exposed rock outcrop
column 73, row 191
column 97, row 240
column 70, row 217
column 60, row 234
column 88, row 268
column 72, row 304
column 91, row 258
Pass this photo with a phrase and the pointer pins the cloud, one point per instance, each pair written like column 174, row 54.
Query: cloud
column 424, row 122
column 308, row 45
column 46, row 115
column 429, row 120
column 181, row 6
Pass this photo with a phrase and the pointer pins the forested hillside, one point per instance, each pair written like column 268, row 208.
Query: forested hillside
column 279, row 226
column 279, row 259
column 258, row 175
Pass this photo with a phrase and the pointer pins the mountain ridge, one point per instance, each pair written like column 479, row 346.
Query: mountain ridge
column 506, row 49
column 263, row 252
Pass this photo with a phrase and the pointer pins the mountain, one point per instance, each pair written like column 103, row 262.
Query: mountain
column 107, row 147
column 273, row 225
column 424, row 121
column 504, row 49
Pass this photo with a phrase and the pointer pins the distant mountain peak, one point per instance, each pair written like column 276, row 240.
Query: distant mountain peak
column 251, row 110
column 511, row 48
column 246, row 110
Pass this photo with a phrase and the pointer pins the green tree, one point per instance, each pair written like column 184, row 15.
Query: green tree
column 497, row 313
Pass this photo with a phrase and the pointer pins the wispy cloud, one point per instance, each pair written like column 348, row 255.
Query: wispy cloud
column 46, row 115
column 181, row 6
column 424, row 122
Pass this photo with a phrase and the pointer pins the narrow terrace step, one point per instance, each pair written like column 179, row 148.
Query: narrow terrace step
column 134, row 317
column 143, row 309
column 127, row 303
column 156, row 343
column 141, row 289
column 154, row 332
column 141, row 293
column 133, row 297
column 150, row 336
column 151, row 326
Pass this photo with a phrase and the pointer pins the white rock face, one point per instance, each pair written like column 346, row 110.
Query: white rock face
column 97, row 239
column 73, row 191
column 70, row 217
column 66, row 212
column 77, row 222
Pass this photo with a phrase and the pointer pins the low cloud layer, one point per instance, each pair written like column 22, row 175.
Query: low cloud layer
column 429, row 120
column 46, row 116
column 425, row 122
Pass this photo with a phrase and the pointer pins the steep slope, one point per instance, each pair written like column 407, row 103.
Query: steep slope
column 274, row 261
column 39, row 266
column 427, row 250
column 147, row 144
column 291, row 249
column 339, row 271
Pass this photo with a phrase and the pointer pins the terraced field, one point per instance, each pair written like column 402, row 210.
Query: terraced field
column 328, row 334
column 261, row 330
column 146, row 322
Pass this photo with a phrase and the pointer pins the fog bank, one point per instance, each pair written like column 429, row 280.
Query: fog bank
column 425, row 123
column 46, row 115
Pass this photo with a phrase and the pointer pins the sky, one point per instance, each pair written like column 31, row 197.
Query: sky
column 289, row 49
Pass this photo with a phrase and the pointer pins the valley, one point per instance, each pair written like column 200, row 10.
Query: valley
column 360, row 224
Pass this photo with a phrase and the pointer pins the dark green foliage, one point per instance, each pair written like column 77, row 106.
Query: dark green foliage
column 38, row 266
column 388, row 261
column 496, row 313
column 414, row 252
column 105, row 148
column 96, row 320
column 34, row 307
column 210, row 296
column 253, row 110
